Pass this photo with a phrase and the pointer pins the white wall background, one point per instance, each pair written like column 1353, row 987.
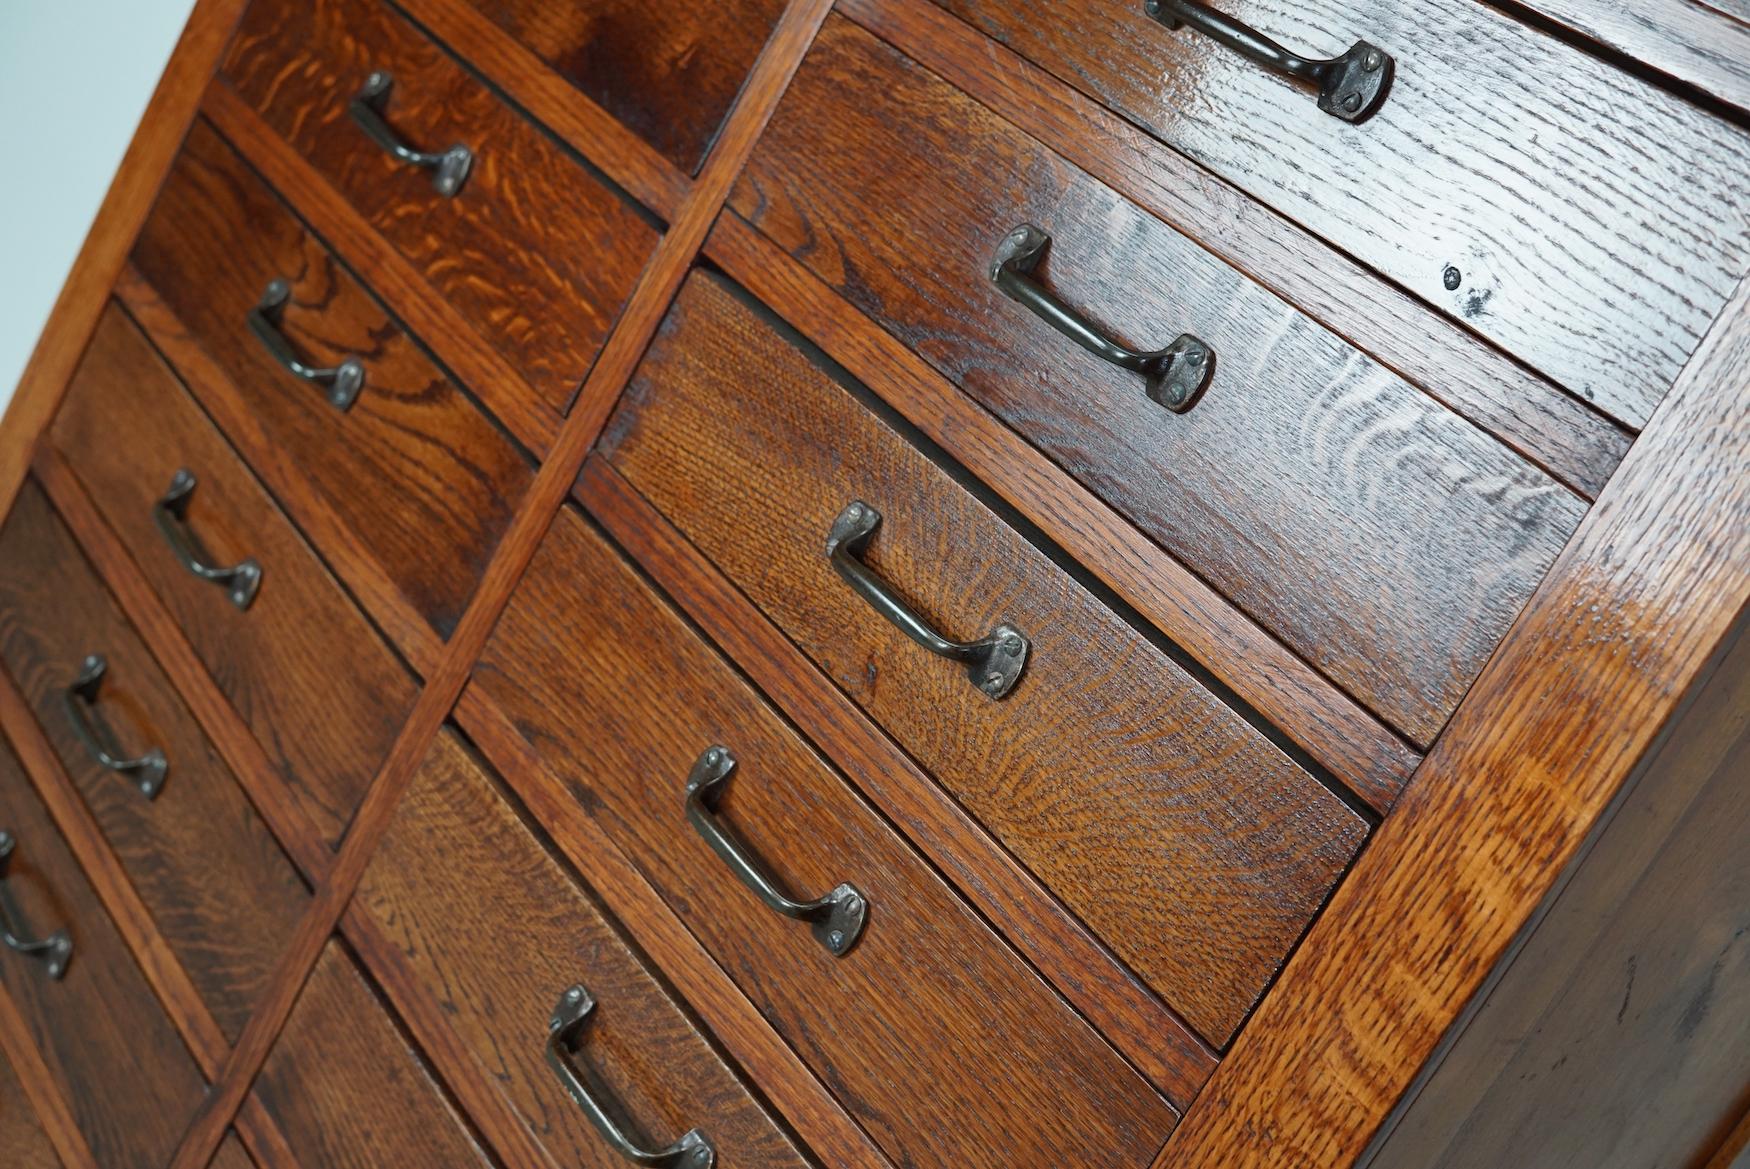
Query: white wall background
column 74, row 79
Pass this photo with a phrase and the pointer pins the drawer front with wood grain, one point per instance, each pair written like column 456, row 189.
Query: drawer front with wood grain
column 1387, row 541
column 21, row 1133
column 532, row 248
column 221, row 893
column 425, row 481
column 111, row 1053
column 1174, row 828
column 890, row 987
column 346, row 1087
column 1576, row 215
column 314, row 681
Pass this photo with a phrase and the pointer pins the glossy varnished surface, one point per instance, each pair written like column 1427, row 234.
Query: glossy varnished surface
column 21, row 1133
column 219, row 889
column 1386, row 541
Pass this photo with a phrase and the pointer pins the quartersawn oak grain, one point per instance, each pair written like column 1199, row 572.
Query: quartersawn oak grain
column 218, row 888
column 279, row 662
column 1596, row 222
column 457, row 885
column 413, row 465
column 1385, row 540
column 21, row 1133
column 1200, row 851
column 534, row 250
column 928, row 995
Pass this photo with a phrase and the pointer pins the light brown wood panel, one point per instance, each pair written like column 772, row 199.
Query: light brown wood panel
column 1385, row 540
column 498, row 930
column 220, row 891
column 278, row 662
column 21, row 1133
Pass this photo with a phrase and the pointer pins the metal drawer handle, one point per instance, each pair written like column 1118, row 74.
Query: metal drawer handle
column 343, row 381
column 240, row 581
column 835, row 919
column 449, row 167
column 692, row 1151
column 53, row 951
column 1174, row 376
column 147, row 770
column 1351, row 86
column 993, row 662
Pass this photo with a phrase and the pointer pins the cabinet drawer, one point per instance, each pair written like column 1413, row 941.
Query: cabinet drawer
column 668, row 72
column 498, row 932
column 425, row 481
column 221, row 893
column 1184, row 817
column 346, row 1087
column 21, row 1133
column 322, row 692
column 628, row 708
column 1566, row 210
column 531, row 247
column 1387, row 541
column 111, row 1053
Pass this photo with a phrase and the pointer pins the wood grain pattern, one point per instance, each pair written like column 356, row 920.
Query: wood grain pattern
column 1704, row 44
column 1383, row 539
column 219, row 890
column 534, row 251
column 1596, row 222
column 413, row 462
column 324, row 729
column 928, row 993
column 1186, row 818
column 58, row 1122
column 21, row 1133
column 231, row 1155
column 99, row 1025
column 1639, row 602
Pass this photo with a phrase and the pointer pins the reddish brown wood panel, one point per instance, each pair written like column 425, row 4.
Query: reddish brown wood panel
column 1385, row 540
column 21, row 1133
column 325, row 729
column 218, row 888
column 231, row 1155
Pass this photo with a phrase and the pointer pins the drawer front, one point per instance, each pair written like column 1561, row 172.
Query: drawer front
column 425, row 481
column 627, row 707
column 668, row 72
column 498, row 931
column 21, row 1133
column 1560, row 207
column 322, row 692
column 532, row 247
column 1387, row 541
column 1185, row 817
column 221, row 893
column 346, row 1087
column 111, row 1053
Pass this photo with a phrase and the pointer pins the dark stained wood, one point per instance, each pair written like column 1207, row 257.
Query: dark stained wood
column 928, row 993
column 261, row 1133
column 108, row 1049
column 347, row 1089
column 413, row 462
column 1566, row 192
column 325, row 728
column 1383, row 539
column 536, row 253
column 231, row 1155
column 1186, row 818
column 457, row 884
column 57, row 1120
column 218, row 888
column 21, row 1133
column 669, row 72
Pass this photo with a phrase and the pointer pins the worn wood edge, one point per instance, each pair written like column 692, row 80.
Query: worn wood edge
column 409, row 297
column 1141, row 1027
column 40, row 1093
column 1637, row 606
column 1357, row 748
column 1569, row 440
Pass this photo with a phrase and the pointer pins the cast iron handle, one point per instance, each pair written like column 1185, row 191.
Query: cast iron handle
column 1351, row 86
column 342, row 381
column 448, row 167
column 1174, row 376
column 692, row 1151
column 240, row 581
column 993, row 662
column 146, row 770
column 836, row 919
column 53, row 951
